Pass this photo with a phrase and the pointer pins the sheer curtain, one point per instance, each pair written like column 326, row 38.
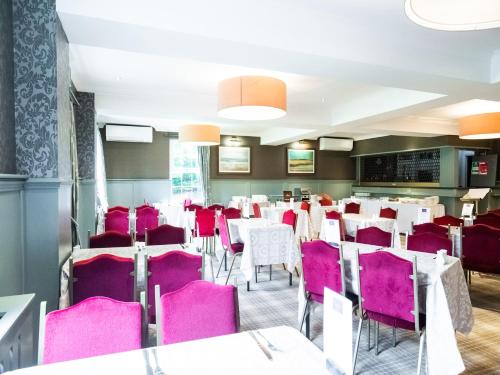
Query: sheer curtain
column 100, row 182
column 74, row 175
column 204, row 163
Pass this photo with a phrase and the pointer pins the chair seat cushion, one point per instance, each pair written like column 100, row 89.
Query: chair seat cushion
column 237, row 247
column 395, row 322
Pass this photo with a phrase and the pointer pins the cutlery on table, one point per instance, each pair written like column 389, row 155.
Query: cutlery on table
column 264, row 349
column 270, row 345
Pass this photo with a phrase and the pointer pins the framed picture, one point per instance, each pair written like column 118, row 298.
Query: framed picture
column 300, row 161
column 234, row 160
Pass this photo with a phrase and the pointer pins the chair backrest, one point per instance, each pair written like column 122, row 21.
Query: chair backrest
column 224, row 232
column 325, row 202
column 430, row 227
column 205, row 222
column 490, row 219
column 374, row 236
column 103, row 275
column 322, row 265
column 193, row 207
column 256, row 210
column 110, row 239
column 116, row 221
column 333, row 215
column 187, row 202
column 352, row 208
column 388, row 213
column 231, row 213
column 216, row 207
column 118, row 208
column 145, row 205
column 165, row 235
column 429, row 242
column 290, row 218
column 388, row 287
column 495, row 211
column 199, row 310
column 305, row 206
column 448, row 220
column 96, row 326
column 481, row 248
column 147, row 218
column 171, row 271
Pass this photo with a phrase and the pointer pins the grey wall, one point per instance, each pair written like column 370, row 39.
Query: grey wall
column 7, row 128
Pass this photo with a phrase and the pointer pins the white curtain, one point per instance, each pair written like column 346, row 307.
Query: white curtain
column 204, row 163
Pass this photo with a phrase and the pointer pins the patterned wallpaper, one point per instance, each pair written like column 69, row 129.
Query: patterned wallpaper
column 7, row 119
column 85, row 135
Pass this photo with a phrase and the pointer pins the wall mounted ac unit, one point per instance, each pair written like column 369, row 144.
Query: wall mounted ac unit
column 335, row 144
column 125, row 133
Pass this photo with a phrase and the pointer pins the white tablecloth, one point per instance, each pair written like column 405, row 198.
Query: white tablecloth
column 303, row 229
column 317, row 213
column 359, row 221
column 443, row 297
column 264, row 244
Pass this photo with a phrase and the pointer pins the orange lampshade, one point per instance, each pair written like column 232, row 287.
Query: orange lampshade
column 252, row 98
column 200, row 134
column 482, row 126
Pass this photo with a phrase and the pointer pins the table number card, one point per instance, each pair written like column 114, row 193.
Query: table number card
column 337, row 333
column 424, row 215
column 331, row 231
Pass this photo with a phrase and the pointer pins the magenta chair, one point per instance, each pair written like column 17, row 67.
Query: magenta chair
column 290, row 218
column 165, row 235
column 429, row 243
column 322, row 265
column 234, row 248
column 448, row 220
column 231, row 213
column 481, row 249
column 110, row 239
column 430, row 227
column 388, row 294
column 388, row 213
column 198, row 310
column 171, row 271
column 205, row 227
column 490, row 219
column 374, row 236
column 306, row 206
column 216, row 207
column 103, row 275
column 334, row 215
column 96, row 326
column 193, row 207
column 145, row 205
column 146, row 218
column 256, row 210
column 116, row 221
column 352, row 208
column 118, row 208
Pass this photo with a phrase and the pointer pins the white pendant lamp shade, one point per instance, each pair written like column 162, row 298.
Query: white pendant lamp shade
column 454, row 15
column 483, row 126
column 200, row 134
column 252, row 98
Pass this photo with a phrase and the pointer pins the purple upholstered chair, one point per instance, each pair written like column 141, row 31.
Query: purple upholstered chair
column 193, row 207
column 429, row 242
column 481, row 249
column 388, row 213
column 116, row 221
column 146, row 218
column 171, row 271
column 205, row 227
column 256, row 210
column 490, row 219
column 118, row 208
column 448, row 220
column 322, row 265
column 103, row 275
column 352, row 208
column 290, row 218
column 231, row 213
column 306, row 206
column 110, row 239
column 374, row 236
column 388, row 294
column 216, row 207
column 165, row 235
column 199, row 310
column 430, row 227
column 95, row 326
column 233, row 248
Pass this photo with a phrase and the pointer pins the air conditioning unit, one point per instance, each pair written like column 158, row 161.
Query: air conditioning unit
column 335, row 144
column 126, row 133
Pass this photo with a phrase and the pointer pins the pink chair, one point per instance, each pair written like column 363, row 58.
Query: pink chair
column 146, row 218
column 430, row 227
column 374, row 236
column 490, row 219
column 256, row 210
column 448, row 220
column 335, row 215
column 325, row 202
column 165, row 235
column 199, row 310
column 193, row 207
column 389, row 295
column 103, row 275
column 171, row 271
column 481, row 249
column 305, row 206
column 388, row 213
column 205, row 227
column 110, row 239
column 118, row 208
column 96, row 326
column 322, row 265
column 216, row 207
column 116, row 221
column 145, row 205
column 231, row 213
column 352, row 208
column 429, row 243
column 290, row 218
column 234, row 248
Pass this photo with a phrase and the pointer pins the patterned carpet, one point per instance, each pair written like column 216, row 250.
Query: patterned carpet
column 273, row 303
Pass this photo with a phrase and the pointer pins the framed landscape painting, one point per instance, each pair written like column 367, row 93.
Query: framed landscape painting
column 300, row 161
column 234, row 160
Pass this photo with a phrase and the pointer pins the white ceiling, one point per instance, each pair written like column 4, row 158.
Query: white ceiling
column 353, row 68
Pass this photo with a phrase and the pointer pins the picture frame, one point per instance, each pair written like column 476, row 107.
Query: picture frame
column 300, row 162
column 234, row 160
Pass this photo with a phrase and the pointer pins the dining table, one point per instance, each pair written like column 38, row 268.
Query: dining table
column 353, row 222
column 303, row 227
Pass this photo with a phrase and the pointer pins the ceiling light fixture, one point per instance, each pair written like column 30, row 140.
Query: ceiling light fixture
column 482, row 126
column 252, row 98
column 454, row 15
column 200, row 134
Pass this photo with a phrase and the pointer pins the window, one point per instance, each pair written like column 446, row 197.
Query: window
column 185, row 173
